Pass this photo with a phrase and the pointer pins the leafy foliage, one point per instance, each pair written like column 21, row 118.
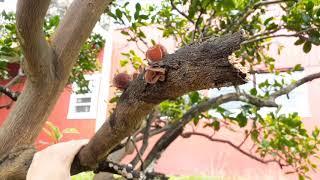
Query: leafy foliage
column 55, row 134
column 11, row 52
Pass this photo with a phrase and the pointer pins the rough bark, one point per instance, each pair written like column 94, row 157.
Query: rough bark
column 195, row 67
column 15, row 165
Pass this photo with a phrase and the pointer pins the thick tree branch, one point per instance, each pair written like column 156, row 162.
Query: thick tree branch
column 195, row 67
column 30, row 18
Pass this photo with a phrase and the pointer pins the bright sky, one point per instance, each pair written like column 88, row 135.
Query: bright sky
column 8, row 5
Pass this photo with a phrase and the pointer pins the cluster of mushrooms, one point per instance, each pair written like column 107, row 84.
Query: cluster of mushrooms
column 153, row 73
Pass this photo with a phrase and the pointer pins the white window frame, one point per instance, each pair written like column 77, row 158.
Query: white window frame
column 94, row 85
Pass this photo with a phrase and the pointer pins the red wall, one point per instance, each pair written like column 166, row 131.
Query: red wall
column 58, row 117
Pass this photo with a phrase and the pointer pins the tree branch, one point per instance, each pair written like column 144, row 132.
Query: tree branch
column 30, row 18
column 180, row 12
column 195, row 67
column 145, row 142
column 297, row 34
column 187, row 134
column 294, row 85
column 7, row 106
column 15, row 79
column 128, row 172
column 177, row 128
column 12, row 95
column 249, row 10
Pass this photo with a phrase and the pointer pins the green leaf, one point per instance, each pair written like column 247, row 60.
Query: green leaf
column 216, row 125
column 194, row 97
column 255, row 135
column 272, row 26
column 315, row 133
column 309, row 6
column 297, row 67
column 299, row 42
column 196, row 120
column 241, row 119
column 253, row 91
column 268, row 20
column 114, row 99
column 124, row 32
column 265, row 143
column 123, row 62
column 153, row 42
column 301, row 177
column 118, row 13
column 70, row 131
column 307, row 47
column 318, row 12
column 193, row 8
column 138, row 9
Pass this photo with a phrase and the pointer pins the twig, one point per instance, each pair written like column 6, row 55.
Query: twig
column 138, row 156
column 294, row 85
column 15, row 79
column 180, row 12
column 196, row 28
column 231, row 144
column 265, row 33
column 249, row 10
column 145, row 143
column 7, row 106
column 245, row 139
column 12, row 95
column 251, row 40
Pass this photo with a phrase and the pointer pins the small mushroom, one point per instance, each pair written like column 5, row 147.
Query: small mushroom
column 154, row 74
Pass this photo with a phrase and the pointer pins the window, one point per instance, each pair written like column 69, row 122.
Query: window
column 298, row 98
column 84, row 106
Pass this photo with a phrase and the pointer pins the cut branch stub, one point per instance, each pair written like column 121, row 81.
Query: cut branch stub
column 195, row 67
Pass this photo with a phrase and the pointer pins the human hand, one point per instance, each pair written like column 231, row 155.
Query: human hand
column 54, row 162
